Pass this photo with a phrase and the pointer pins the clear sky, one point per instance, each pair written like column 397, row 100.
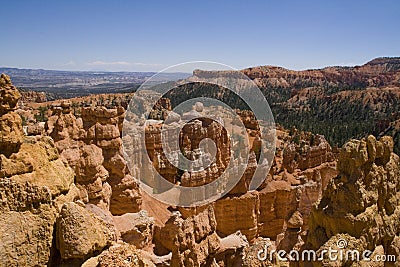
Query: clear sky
column 152, row 35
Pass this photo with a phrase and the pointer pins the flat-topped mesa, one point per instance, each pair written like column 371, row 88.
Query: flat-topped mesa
column 363, row 200
column 207, row 74
column 384, row 64
column 377, row 72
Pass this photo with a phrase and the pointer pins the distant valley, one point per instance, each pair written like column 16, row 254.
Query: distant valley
column 67, row 84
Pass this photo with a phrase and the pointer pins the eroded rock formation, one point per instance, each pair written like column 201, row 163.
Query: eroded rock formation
column 10, row 122
column 135, row 228
column 93, row 147
column 41, row 204
column 188, row 139
column 80, row 205
column 281, row 207
column 363, row 200
column 27, row 217
column 194, row 242
column 28, row 159
column 80, row 233
column 37, row 162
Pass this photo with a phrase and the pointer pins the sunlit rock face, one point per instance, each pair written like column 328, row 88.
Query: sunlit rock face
column 280, row 208
column 92, row 146
column 206, row 162
column 363, row 200
column 27, row 218
column 32, row 177
column 28, row 159
column 10, row 122
column 192, row 241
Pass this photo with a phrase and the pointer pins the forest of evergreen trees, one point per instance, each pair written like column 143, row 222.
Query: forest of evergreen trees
column 338, row 121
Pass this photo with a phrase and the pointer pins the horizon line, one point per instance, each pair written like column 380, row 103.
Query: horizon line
column 154, row 71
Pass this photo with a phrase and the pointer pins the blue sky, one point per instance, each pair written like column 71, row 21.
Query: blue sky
column 152, row 35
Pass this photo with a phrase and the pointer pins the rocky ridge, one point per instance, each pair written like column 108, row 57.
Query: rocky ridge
column 337, row 102
column 70, row 186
